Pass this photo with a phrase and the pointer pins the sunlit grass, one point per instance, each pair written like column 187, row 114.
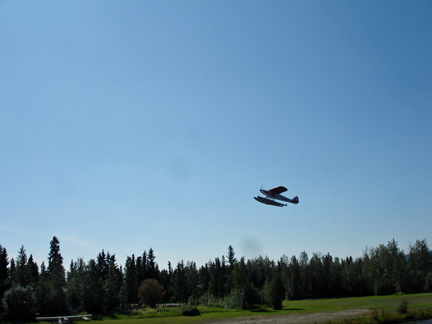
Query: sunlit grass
column 388, row 303
column 386, row 306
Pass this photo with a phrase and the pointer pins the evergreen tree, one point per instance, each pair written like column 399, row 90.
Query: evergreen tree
column 130, row 280
column 335, row 277
column 305, row 276
column 294, row 283
column 204, row 277
column 43, row 293
column 241, row 276
column 12, row 269
column 385, row 268
column 243, row 286
column 4, row 272
column 165, row 279
column 33, row 269
column 152, row 267
column 43, row 270
column 318, row 279
column 399, row 275
column 419, row 265
column 230, row 268
column 231, row 258
column 102, row 265
column 261, row 271
column 50, row 290
column 276, row 291
column 217, row 274
column 192, row 281
column 22, row 276
column 93, row 293
column 180, row 286
column 141, row 269
column 75, row 284
column 112, row 287
column 56, row 270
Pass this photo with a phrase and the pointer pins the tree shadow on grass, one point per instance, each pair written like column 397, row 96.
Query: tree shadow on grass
column 270, row 310
column 262, row 310
column 292, row 309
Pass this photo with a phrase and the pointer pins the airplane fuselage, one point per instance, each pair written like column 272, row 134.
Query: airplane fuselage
column 279, row 197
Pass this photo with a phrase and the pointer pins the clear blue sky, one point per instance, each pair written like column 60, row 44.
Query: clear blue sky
column 126, row 125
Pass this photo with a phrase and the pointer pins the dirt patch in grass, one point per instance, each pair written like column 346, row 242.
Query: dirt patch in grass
column 294, row 318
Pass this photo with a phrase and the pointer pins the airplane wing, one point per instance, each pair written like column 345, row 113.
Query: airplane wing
column 62, row 317
column 278, row 190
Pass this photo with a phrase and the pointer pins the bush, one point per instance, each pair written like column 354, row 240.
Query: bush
column 250, row 297
column 403, row 306
column 18, row 303
column 374, row 314
column 190, row 311
column 97, row 317
column 428, row 282
column 233, row 300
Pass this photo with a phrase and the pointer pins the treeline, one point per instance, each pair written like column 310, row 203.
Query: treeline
column 102, row 286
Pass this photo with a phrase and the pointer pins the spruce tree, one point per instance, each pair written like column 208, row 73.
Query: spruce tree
column 419, row 266
column 152, row 267
column 130, row 281
column 55, row 283
column 180, row 283
column 4, row 272
column 111, row 287
column 55, row 263
column 276, row 291
column 22, row 275
column 102, row 265
column 33, row 269
column 231, row 258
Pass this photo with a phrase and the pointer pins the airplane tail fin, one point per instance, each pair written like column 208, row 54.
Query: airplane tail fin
column 296, row 200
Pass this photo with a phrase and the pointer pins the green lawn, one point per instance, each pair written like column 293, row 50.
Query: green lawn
column 387, row 303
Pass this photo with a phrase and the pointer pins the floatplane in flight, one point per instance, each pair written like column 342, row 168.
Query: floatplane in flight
column 273, row 194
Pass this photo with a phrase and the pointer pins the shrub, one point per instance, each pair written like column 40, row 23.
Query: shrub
column 190, row 311
column 97, row 317
column 374, row 314
column 250, row 297
column 18, row 303
column 428, row 282
column 403, row 306
column 233, row 300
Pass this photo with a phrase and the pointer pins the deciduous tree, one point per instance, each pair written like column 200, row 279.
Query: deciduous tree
column 150, row 293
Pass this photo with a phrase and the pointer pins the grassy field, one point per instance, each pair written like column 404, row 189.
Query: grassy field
column 208, row 314
column 386, row 303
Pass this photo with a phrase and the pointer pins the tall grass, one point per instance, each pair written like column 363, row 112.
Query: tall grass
column 383, row 317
